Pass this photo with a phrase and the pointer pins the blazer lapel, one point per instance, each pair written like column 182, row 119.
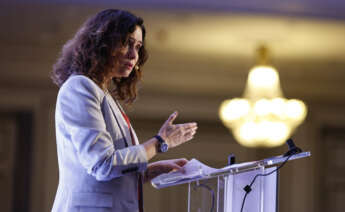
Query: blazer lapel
column 136, row 140
column 122, row 122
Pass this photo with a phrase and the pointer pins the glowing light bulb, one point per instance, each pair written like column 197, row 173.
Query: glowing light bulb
column 295, row 109
column 279, row 131
column 247, row 133
column 263, row 77
column 278, row 107
column 231, row 110
column 262, row 107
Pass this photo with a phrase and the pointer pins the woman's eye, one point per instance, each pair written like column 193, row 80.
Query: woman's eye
column 138, row 47
column 129, row 44
column 132, row 44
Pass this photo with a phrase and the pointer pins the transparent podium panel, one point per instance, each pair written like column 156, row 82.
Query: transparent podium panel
column 225, row 193
column 263, row 196
column 206, row 195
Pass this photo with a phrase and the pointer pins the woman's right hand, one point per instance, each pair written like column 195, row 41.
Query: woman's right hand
column 176, row 134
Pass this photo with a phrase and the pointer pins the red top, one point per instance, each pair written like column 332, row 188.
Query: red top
column 140, row 182
column 129, row 126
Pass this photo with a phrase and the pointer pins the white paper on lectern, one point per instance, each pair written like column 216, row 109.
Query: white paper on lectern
column 192, row 169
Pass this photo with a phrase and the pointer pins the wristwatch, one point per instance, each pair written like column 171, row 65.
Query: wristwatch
column 162, row 145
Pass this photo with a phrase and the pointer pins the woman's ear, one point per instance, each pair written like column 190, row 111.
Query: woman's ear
column 136, row 67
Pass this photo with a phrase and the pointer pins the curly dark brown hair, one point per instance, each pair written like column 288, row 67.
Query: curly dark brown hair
column 89, row 52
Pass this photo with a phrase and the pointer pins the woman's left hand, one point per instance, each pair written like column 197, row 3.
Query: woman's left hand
column 164, row 166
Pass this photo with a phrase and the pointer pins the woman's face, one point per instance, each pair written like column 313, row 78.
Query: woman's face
column 126, row 57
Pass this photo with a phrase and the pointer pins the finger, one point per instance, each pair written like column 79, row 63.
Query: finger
column 181, row 162
column 190, row 131
column 174, row 167
column 172, row 117
column 184, row 131
column 188, row 125
column 193, row 132
column 188, row 136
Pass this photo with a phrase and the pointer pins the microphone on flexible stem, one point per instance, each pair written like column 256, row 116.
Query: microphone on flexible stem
column 293, row 149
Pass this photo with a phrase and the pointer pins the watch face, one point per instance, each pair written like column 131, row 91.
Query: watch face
column 164, row 147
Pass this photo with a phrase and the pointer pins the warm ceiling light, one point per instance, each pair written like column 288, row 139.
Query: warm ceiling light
column 263, row 117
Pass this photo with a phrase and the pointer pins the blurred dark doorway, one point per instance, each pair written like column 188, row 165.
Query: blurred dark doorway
column 16, row 130
column 332, row 169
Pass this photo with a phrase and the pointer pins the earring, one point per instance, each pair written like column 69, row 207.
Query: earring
column 136, row 67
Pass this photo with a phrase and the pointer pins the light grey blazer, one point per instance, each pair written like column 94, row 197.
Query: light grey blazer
column 98, row 165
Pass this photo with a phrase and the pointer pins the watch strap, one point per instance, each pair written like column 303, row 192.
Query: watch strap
column 159, row 138
column 162, row 145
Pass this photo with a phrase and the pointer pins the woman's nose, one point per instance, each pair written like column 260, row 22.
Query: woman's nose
column 132, row 53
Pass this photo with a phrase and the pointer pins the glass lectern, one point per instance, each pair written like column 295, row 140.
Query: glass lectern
column 221, row 190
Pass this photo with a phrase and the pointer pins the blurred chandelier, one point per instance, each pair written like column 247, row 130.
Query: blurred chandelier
column 263, row 118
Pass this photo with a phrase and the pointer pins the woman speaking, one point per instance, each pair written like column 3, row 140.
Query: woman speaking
column 101, row 164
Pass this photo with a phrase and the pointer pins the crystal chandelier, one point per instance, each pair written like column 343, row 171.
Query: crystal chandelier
column 263, row 117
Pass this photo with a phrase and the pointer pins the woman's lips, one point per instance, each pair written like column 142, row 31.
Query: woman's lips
column 129, row 65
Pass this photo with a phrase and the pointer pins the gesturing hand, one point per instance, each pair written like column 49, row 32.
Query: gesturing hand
column 176, row 134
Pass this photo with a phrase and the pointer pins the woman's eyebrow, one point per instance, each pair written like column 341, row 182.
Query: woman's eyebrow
column 139, row 41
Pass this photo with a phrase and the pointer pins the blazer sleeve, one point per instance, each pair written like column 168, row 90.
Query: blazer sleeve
column 79, row 102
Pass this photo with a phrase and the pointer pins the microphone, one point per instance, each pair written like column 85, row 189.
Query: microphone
column 293, row 149
column 231, row 159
